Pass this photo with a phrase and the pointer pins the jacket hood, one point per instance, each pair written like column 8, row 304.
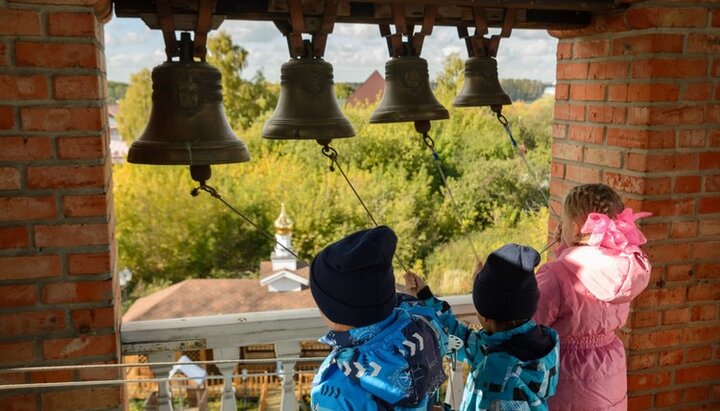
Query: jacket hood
column 610, row 275
column 532, row 351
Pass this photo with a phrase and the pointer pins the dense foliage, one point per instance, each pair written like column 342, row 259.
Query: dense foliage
column 116, row 91
column 134, row 107
column 165, row 234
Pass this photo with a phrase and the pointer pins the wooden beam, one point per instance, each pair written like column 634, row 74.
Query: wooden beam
column 530, row 14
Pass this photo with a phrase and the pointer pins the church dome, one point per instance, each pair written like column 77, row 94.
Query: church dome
column 283, row 224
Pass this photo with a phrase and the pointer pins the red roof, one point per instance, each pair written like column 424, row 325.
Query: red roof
column 201, row 297
column 369, row 91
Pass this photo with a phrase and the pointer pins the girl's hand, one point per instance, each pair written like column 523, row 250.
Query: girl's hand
column 413, row 283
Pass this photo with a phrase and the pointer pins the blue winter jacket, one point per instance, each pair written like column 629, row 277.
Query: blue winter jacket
column 395, row 364
column 509, row 370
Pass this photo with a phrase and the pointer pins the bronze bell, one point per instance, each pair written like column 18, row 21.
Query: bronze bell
column 482, row 87
column 408, row 96
column 187, row 123
column 307, row 108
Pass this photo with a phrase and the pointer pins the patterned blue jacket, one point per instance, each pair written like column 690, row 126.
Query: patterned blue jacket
column 395, row 364
column 509, row 370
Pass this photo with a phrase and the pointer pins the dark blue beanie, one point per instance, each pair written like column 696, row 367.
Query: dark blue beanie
column 505, row 289
column 352, row 280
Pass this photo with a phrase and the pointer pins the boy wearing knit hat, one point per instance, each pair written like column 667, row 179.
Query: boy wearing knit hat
column 386, row 349
column 513, row 361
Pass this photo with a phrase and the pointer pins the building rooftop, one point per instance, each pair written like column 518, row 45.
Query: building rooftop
column 202, row 297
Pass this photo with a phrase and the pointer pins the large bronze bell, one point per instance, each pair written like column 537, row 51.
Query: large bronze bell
column 187, row 123
column 307, row 108
column 482, row 87
column 408, row 96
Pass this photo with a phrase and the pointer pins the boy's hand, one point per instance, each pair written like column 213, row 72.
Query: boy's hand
column 413, row 283
column 558, row 234
column 478, row 267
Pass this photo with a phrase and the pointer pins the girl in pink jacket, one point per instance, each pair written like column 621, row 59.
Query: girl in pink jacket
column 585, row 295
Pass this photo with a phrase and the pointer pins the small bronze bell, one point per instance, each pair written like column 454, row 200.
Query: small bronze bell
column 482, row 87
column 408, row 96
column 187, row 123
column 307, row 108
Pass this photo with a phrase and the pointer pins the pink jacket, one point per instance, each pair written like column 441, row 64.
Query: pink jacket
column 585, row 296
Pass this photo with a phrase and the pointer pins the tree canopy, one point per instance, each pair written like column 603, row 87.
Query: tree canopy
column 116, row 91
column 134, row 108
column 164, row 234
column 243, row 100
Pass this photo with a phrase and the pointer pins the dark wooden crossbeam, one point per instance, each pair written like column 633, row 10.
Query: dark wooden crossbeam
column 530, row 14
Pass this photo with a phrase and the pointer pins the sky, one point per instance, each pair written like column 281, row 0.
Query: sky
column 354, row 50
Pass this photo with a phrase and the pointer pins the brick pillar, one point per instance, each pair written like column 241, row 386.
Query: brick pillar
column 59, row 298
column 638, row 108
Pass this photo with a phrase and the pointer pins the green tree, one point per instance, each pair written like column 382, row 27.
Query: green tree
column 164, row 234
column 116, row 91
column 134, row 108
column 244, row 100
column 450, row 80
column 343, row 90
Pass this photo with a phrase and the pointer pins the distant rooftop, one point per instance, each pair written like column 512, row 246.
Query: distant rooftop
column 201, row 297
column 369, row 91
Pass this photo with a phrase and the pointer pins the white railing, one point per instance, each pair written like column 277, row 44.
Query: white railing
column 159, row 340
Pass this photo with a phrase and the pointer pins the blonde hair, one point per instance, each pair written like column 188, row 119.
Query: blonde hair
column 592, row 198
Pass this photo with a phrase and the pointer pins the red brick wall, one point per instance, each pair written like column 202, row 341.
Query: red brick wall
column 58, row 294
column 638, row 108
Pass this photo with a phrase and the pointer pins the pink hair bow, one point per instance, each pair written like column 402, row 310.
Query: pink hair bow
column 619, row 234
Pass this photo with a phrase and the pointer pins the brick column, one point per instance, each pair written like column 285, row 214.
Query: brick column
column 638, row 108
column 59, row 298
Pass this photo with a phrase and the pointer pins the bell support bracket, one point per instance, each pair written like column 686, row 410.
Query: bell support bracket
column 295, row 26
column 413, row 47
column 172, row 48
column 479, row 45
column 203, row 26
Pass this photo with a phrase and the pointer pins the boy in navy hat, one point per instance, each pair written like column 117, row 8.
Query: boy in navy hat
column 385, row 354
column 513, row 361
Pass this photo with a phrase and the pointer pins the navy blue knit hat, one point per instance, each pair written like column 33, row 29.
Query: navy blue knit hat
column 505, row 289
column 352, row 279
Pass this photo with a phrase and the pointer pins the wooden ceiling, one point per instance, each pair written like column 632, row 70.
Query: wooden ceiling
column 529, row 14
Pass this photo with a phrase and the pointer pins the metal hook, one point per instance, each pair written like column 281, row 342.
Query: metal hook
column 330, row 153
column 428, row 141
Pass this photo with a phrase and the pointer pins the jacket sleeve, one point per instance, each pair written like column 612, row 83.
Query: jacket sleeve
column 452, row 326
column 550, row 296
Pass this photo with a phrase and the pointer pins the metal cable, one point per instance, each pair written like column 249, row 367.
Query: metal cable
column 436, row 157
column 214, row 193
column 8, row 387
column 149, row 364
column 501, row 118
column 332, row 154
column 506, row 125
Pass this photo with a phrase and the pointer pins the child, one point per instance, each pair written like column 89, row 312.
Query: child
column 513, row 361
column 384, row 356
column 585, row 295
